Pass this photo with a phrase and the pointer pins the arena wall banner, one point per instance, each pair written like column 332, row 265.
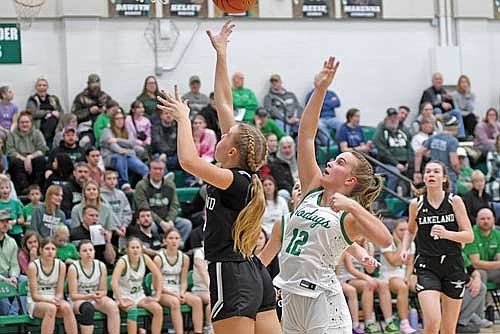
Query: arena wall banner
column 313, row 8
column 362, row 8
column 129, row 8
column 496, row 8
column 252, row 12
column 10, row 43
column 186, row 8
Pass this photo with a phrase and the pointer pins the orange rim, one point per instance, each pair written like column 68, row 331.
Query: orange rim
column 20, row 3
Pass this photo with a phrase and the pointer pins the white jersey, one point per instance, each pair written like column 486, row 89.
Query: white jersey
column 130, row 282
column 199, row 284
column 47, row 283
column 313, row 242
column 171, row 272
column 88, row 283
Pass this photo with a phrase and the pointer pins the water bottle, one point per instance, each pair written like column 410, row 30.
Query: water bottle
column 490, row 313
column 413, row 318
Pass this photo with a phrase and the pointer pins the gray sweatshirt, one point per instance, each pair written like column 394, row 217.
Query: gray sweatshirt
column 119, row 203
column 107, row 218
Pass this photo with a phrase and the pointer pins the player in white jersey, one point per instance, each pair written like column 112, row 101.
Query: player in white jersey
column 87, row 288
column 201, row 282
column 174, row 266
column 46, row 290
column 126, row 283
column 324, row 225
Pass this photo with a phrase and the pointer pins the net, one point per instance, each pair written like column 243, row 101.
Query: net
column 27, row 10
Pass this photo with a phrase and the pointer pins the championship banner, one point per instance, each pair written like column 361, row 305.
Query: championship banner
column 252, row 12
column 496, row 8
column 10, row 43
column 314, row 8
column 129, row 8
column 186, row 8
column 362, row 8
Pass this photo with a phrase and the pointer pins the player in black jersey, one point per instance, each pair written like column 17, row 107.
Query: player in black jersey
column 241, row 291
column 439, row 221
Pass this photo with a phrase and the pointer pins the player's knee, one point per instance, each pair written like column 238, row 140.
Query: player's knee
column 156, row 309
column 87, row 312
column 175, row 304
column 132, row 314
column 51, row 311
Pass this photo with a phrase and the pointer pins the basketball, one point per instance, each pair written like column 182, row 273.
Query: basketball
column 234, row 6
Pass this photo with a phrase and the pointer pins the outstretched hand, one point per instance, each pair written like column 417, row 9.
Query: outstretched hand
column 219, row 41
column 173, row 104
column 324, row 78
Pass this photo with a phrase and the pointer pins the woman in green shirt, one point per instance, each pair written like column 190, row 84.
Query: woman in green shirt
column 148, row 98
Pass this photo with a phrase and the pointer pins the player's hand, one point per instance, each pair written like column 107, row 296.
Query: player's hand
column 370, row 262
column 404, row 256
column 439, row 232
column 173, row 104
column 324, row 78
column 219, row 41
column 475, row 287
column 339, row 202
column 126, row 303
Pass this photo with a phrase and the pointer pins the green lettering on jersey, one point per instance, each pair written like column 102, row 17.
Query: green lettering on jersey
column 312, row 216
column 299, row 239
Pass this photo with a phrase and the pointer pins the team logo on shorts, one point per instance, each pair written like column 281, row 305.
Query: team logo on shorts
column 458, row 284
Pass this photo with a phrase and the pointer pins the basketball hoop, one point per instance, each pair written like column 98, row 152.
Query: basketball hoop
column 27, row 10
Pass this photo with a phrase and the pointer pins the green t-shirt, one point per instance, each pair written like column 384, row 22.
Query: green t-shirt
column 101, row 123
column 486, row 246
column 465, row 176
column 67, row 252
column 16, row 209
column 28, row 211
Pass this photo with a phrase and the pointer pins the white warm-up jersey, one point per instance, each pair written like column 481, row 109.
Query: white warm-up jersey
column 130, row 282
column 88, row 283
column 171, row 272
column 313, row 242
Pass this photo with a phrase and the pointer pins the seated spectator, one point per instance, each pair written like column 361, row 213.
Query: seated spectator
column 90, row 216
column 283, row 106
column 244, row 101
column 204, row 138
column 487, row 131
column 14, row 207
column 66, row 251
column 117, row 148
column 139, row 125
column 158, row 194
column 273, row 268
column 91, row 196
column 93, row 158
column 477, row 198
column 426, row 130
column 72, row 192
column 265, row 124
column 350, row 135
column 69, row 146
column 442, row 147
column 493, row 176
column 484, row 251
column 164, row 141
column 350, row 294
column 142, row 230
column 278, row 168
column 464, row 182
column 426, row 111
column 399, row 276
column 403, row 112
column 45, row 109
column 442, row 101
column 29, row 250
column 276, row 206
column 211, row 116
column 148, row 98
column 9, row 267
column 196, row 100
column 87, row 106
column 464, row 100
column 201, row 283
column 34, row 196
column 328, row 119
column 103, row 120
column 26, row 149
column 287, row 153
column 60, row 172
column 393, row 148
column 47, row 216
column 8, row 111
column 272, row 143
column 64, row 121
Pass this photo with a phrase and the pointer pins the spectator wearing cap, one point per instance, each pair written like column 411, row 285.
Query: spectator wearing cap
column 442, row 147
column 88, row 105
column 442, row 102
column 9, row 265
column 328, row 119
column 196, row 100
column 283, row 106
column 350, row 135
column 45, row 109
column 393, row 148
column 244, row 100
column 464, row 182
column 68, row 146
column 266, row 125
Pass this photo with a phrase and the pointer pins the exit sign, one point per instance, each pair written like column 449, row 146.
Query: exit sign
column 10, row 43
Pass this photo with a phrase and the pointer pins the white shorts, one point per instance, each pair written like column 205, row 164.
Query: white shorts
column 327, row 314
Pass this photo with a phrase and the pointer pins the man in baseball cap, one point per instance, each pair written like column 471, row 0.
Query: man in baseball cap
column 196, row 99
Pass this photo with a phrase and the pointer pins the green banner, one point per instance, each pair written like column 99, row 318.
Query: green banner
column 10, row 43
column 496, row 8
column 129, row 8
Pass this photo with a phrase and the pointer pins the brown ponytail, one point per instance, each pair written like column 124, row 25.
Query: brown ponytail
column 369, row 185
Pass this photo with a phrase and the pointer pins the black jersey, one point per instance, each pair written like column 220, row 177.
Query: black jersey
column 223, row 207
column 427, row 217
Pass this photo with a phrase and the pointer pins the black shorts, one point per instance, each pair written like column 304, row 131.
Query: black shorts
column 441, row 273
column 240, row 289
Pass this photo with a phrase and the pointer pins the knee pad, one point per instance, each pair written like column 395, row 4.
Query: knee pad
column 87, row 311
column 132, row 314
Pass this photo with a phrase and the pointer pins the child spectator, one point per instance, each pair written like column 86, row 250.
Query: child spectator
column 29, row 250
column 62, row 169
column 34, row 195
column 139, row 125
column 66, row 251
column 103, row 120
column 14, row 207
column 8, row 111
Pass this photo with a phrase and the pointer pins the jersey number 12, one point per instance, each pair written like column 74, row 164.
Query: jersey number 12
column 299, row 239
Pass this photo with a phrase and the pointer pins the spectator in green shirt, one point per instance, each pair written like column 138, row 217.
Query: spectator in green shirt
column 34, row 195
column 464, row 182
column 265, row 124
column 14, row 207
column 244, row 100
column 484, row 251
column 103, row 120
column 66, row 251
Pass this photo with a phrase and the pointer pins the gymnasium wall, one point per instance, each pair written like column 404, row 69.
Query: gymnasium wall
column 384, row 63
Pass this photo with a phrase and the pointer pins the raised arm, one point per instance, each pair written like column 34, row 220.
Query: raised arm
column 222, row 86
column 273, row 246
column 309, row 172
